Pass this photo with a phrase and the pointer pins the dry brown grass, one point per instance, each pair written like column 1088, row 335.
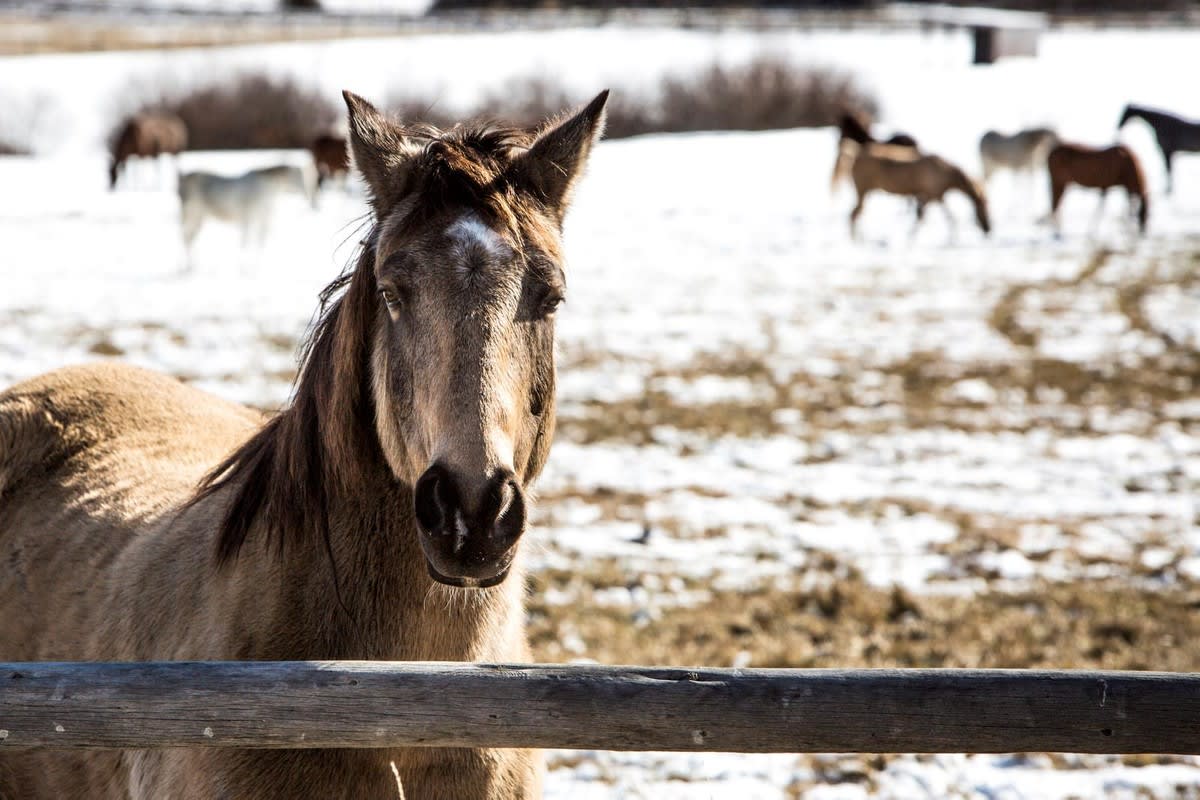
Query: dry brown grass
column 841, row 621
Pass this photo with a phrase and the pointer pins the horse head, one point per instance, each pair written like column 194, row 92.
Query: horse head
column 1127, row 114
column 466, row 276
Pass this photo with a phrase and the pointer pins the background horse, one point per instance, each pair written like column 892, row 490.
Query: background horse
column 1023, row 151
column 851, row 127
column 377, row 517
column 1174, row 134
column 905, row 171
column 1097, row 169
column 147, row 135
column 245, row 200
column 331, row 157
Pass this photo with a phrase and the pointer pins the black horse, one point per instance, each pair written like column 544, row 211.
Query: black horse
column 853, row 127
column 1174, row 134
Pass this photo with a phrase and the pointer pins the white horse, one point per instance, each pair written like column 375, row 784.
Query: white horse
column 246, row 200
column 1023, row 151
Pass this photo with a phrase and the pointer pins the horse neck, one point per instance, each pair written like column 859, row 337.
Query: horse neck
column 957, row 179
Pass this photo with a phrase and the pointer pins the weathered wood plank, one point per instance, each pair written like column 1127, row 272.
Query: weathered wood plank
column 382, row 704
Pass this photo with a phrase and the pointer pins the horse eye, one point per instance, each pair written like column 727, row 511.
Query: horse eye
column 391, row 298
column 551, row 302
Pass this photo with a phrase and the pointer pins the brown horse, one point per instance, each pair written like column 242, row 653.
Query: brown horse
column 1097, row 169
column 852, row 127
column 331, row 156
column 377, row 517
column 902, row 170
column 147, row 135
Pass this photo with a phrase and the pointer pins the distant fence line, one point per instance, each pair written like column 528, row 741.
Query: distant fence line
column 390, row 704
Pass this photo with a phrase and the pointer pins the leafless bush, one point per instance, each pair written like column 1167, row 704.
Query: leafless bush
column 253, row 110
column 764, row 94
column 767, row 93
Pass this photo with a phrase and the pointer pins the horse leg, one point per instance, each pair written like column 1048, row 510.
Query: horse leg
column 1057, row 187
column 1169, row 159
column 1099, row 212
column 920, row 209
column 446, row 774
column 854, row 214
column 191, row 222
column 950, row 221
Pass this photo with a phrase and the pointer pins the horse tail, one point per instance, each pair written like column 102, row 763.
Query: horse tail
column 1135, row 184
column 848, row 150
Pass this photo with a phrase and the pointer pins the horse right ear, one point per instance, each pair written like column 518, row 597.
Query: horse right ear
column 380, row 151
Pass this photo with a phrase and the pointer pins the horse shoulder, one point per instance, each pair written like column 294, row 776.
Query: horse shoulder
column 100, row 419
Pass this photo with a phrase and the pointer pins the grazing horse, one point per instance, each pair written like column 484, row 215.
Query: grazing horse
column 905, row 171
column 331, row 157
column 1097, row 169
column 851, row 127
column 146, row 135
column 246, row 200
column 1174, row 134
column 1023, row 151
column 378, row 516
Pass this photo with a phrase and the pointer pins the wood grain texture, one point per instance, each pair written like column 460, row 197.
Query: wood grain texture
column 383, row 704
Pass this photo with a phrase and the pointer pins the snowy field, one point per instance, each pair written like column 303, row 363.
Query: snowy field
column 777, row 447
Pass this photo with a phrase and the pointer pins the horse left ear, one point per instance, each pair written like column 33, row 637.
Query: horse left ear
column 555, row 160
column 380, row 150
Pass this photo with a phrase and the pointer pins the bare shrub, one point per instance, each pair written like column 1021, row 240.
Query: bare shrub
column 767, row 93
column 764, row 94
column 252, row 110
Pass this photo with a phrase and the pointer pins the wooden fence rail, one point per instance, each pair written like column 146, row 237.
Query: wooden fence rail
column 384, row 704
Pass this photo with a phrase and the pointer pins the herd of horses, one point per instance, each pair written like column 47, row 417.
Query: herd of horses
column 245, row 200
column 895, row 165
column 898, row 165
column 379, row 515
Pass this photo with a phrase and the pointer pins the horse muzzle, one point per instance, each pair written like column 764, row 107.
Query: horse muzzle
column 469, row 535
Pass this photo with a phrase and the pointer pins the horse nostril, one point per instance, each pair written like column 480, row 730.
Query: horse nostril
column 435, row 498
column 509, row 523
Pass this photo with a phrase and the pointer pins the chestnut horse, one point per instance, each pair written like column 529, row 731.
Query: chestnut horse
column 331, row 157
column 378, row 516
column 1174, row 134
column 902, row 170
column 146, row 135
column 1097, row 169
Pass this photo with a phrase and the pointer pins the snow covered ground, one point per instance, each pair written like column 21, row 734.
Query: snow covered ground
column 757, row 390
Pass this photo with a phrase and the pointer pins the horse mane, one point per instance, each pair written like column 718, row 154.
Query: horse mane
column 853, row 128
column 325, row 439
column 283, row 473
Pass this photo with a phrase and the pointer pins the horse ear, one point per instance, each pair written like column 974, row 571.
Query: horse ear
column 380, row 150
column 557, row 156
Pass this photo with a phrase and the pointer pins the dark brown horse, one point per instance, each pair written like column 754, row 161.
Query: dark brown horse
column 853, row 128
column 1097, row 169
column 146, row 135
column 1174, row 134
column 378, row 516
column 331, row 157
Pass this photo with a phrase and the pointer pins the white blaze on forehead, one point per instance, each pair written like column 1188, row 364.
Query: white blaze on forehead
column 470, row 230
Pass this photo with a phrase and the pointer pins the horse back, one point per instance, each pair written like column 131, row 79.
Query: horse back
column 92, row 459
